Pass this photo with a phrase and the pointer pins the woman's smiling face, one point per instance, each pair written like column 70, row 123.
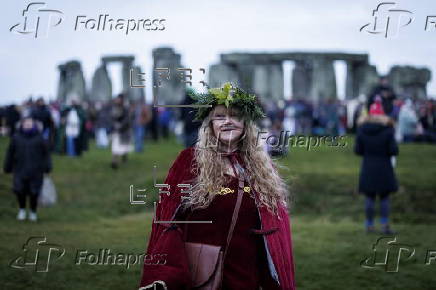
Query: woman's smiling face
column 227, row 124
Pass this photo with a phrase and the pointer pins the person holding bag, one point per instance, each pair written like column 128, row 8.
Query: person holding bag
column 28, row 158
column 223, row 221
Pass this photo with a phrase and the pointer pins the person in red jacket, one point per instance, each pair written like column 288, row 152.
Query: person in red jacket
column 259, row 254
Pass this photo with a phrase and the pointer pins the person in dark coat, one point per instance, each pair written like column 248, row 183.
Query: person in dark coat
column 190, row 127
column 375, row 141
column 42, row 113
column 387, row 94
column 2, row 114
column 12, row 116
column 153, row 125
column 28, row 158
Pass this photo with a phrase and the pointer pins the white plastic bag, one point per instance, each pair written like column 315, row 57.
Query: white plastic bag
column 393, row 161
column 48, row 196
column 102, row 138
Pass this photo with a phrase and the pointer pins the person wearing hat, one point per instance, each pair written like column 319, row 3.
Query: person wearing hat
column 236, row 202
column 375, row 141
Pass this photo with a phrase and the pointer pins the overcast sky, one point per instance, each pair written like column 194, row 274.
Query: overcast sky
column 200, row 31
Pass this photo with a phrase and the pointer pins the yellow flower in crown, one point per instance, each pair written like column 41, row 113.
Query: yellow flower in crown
column 223, row 95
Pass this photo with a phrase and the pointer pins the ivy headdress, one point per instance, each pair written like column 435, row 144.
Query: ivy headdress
column 228, row 95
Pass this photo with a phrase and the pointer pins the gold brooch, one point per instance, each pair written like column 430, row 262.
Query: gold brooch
column 225, row 190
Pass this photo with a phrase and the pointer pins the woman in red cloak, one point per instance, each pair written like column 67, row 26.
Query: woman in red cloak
column 258, row 253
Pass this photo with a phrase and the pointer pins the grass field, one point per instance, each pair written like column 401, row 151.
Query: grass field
column 94, row 212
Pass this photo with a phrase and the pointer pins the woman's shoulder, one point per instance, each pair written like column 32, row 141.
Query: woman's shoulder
column 185, row 158
column 186, row 154
column 181, row 169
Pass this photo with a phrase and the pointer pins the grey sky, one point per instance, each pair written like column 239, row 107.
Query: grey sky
column 200, row 31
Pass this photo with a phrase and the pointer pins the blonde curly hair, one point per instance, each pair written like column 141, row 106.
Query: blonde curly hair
column 259, row 168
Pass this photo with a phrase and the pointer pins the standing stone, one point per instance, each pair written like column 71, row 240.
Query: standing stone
column 101, row 85
column 361, row 79
column 221, row 73
column 71, row 82
column 127, row 64
column 302, row 79
column 246, row 76
column 276, row 83
column 260, row 82
column 409, row 81
column 367, row 78
column 323, row 80
column 172, row 88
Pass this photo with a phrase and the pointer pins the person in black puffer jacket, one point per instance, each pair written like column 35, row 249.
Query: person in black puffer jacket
column 42, row 113
column 375, row 141
column 28, row 158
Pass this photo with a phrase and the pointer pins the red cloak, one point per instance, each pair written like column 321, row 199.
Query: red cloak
column 166, row 238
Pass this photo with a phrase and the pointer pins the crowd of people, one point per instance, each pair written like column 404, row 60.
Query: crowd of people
column 415, row 119
column 69, row 127
column 125, row 125
column 37, row 129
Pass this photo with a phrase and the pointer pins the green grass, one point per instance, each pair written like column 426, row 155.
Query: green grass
column 93, row 212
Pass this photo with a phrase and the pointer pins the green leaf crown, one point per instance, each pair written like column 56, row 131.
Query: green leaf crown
column 228, row 95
